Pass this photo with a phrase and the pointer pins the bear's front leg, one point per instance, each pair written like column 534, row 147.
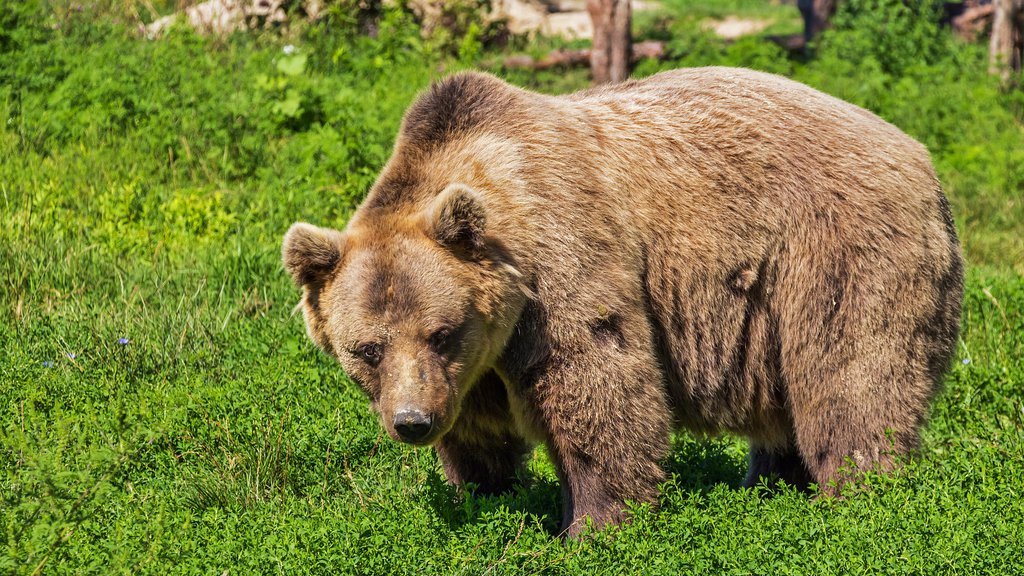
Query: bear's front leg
column 483, row 447
column 607, row 422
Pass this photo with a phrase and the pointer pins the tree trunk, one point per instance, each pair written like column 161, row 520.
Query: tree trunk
column 610, row 53
column 1007, row 42
column 816, row 15
column 600, row 58
column 621, row 40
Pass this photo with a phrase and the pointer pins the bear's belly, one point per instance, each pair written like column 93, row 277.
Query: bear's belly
column 719, row 348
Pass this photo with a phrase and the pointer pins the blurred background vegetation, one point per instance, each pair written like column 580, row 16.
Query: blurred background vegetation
column 224, row 111
column 163, row 412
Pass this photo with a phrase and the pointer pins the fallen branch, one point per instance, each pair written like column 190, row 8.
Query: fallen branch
column 790, row 42
column 973, row 21
column 567, row 58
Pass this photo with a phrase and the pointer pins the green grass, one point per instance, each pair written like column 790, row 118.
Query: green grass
column 144, row 190
column 783, row 18
column 736, row 8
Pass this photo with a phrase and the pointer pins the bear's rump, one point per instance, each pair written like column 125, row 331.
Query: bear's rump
column 835, row 317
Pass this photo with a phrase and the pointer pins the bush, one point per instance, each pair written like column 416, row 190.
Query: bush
column 893, row 58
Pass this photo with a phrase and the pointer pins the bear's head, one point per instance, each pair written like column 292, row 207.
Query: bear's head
column 416, row 305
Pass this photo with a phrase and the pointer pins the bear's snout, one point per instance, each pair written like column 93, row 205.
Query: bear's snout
column 412, row 425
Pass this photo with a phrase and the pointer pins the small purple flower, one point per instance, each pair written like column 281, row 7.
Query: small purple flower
column 47, row 364
column 966, row 361
column 72, row 355
column 123, row 341
column 288, row 49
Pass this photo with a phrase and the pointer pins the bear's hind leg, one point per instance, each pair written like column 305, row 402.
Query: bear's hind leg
column 847, row 431
column 483, row 448
column 840, row 443
column 772, row 463
column 863, row 347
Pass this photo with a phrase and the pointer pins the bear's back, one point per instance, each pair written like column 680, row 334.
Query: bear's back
column 779, row 135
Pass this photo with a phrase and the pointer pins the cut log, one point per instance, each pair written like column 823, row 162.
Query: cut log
column 226, row 16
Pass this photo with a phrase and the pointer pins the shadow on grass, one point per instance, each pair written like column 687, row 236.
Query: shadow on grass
column 537, row 496
column 695, row 465
column 701, row 464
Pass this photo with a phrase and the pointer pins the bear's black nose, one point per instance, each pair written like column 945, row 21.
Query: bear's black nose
column 412, row 425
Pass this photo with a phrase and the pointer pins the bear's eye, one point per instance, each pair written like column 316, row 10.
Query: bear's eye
column 370, row 353
column 440, row 339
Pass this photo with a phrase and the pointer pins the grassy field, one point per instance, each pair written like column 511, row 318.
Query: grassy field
column 163, row 412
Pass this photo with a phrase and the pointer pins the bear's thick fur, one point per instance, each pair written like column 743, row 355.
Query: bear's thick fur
column 716, row 249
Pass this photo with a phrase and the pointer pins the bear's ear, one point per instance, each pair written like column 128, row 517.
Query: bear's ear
column 457, row 220
column 310, row 252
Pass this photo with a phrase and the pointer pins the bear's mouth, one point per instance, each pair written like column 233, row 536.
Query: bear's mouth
column 427, row 440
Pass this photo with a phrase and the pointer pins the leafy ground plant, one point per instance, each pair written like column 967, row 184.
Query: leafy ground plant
column 163, row 412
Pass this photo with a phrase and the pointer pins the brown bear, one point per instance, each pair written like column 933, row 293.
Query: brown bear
column 715, row 249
